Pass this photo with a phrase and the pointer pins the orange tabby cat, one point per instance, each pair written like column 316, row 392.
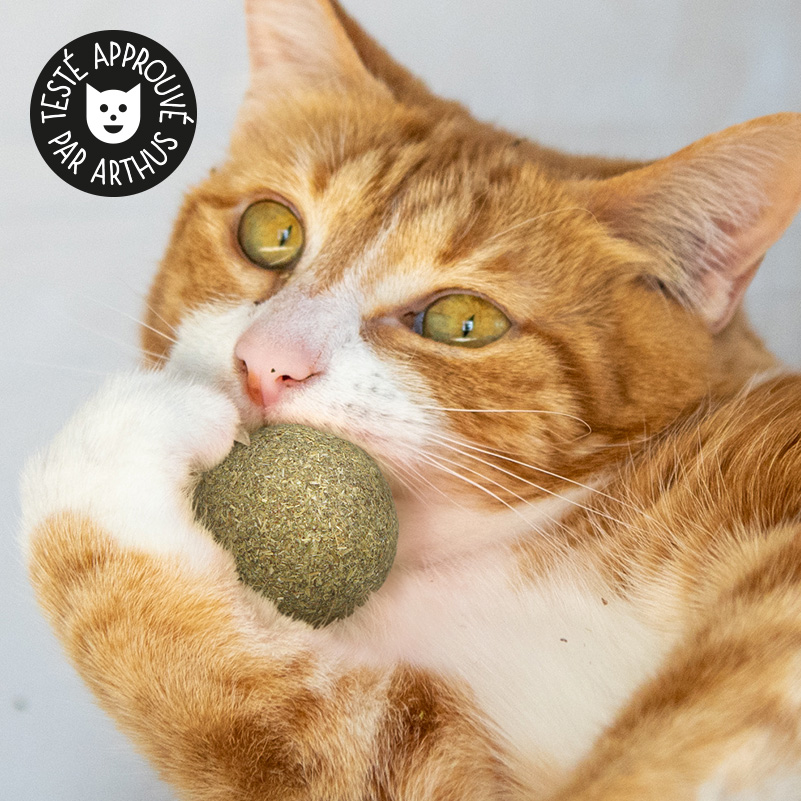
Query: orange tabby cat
column 596, row 463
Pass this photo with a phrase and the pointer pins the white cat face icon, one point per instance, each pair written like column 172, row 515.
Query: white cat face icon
column 112, row 116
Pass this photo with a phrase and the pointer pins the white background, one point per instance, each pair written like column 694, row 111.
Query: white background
column 638, row 78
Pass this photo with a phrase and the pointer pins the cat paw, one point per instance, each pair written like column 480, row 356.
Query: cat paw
column 126, row 460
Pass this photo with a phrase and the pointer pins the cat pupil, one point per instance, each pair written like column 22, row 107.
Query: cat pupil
column 283, row 237
column 123, row 107
column 104, row 107
column 468, row 325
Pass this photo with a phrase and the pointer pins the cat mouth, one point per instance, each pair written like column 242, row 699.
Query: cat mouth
column 113, row 128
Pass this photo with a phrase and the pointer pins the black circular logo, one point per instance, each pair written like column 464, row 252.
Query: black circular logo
column 113, row 113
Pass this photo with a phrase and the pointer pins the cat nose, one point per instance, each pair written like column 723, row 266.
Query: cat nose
column 271, row 368
column 113, row 116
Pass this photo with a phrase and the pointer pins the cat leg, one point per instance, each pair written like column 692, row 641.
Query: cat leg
column 722, row 718
column 228, row 698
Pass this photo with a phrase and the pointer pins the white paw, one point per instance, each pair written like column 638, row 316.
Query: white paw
column 127, row 458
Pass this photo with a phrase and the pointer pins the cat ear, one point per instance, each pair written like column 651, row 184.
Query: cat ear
column 133, row 94
column 710, row 211
column 296, row 42
column 313, row 41
column 91, row 92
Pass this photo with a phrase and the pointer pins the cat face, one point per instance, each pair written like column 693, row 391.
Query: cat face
column 112, row 116
column 490, row 319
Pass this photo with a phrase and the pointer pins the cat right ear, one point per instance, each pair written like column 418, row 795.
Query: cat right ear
column 709, row 212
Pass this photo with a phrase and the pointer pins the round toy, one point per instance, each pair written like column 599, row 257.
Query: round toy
column 308, row 516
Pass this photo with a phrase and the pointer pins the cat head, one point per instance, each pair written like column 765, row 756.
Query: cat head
column 113, row 115
column 373, row 261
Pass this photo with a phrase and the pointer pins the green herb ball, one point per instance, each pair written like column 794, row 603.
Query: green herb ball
column 308, row 516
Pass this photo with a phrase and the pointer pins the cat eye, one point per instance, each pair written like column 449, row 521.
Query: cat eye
column 270, row 235
column 464, row 320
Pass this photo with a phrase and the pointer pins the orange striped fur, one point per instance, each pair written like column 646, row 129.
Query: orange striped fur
column 597, row 594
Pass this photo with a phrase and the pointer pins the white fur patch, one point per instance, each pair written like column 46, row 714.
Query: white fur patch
column 549, row 663
column 126, row 458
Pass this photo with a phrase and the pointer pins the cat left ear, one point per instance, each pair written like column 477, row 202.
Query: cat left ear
column 710, row 212
column 298, row 42
column 317, row 40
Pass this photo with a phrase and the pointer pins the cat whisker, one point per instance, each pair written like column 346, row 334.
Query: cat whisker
column 326, row 148
column 504, row 455
column 431, row 485
column 143, row 297
column 420, row 478
column 627, row 444
column 508, row 411
column 159, row 357
column 171, row 328
column 450, row 443
column 553, row 520
column 155, row 331
column 102, row 335
column 434, row 462
column 213, row 299
column 536, row 486
column 321, row 148
column 408, row 479
column 131, row 317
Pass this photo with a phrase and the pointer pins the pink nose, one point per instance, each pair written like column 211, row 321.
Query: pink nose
column 271, row 368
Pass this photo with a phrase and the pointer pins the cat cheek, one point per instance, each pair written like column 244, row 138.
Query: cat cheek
column 204, row 346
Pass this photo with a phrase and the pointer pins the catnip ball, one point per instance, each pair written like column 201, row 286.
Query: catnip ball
column 308, row 517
